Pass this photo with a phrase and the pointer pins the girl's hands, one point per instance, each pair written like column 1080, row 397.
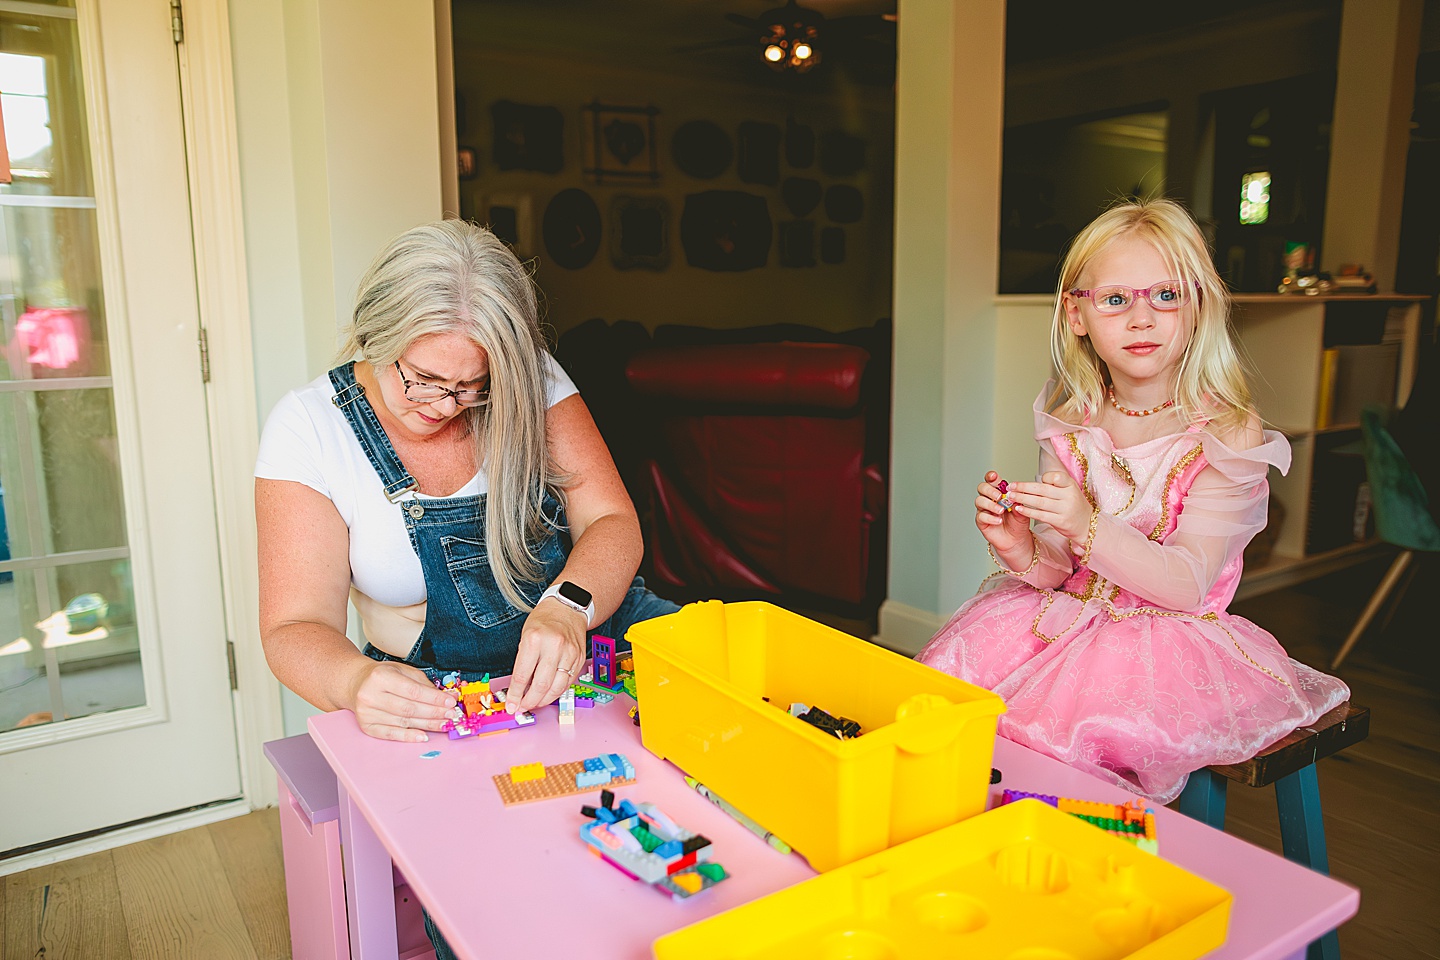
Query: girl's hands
column 395, row 701
column 551, row 656
column 1006, row 531
column 1057, row 500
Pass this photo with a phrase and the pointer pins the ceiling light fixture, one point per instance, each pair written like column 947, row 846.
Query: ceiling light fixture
column 789, row 41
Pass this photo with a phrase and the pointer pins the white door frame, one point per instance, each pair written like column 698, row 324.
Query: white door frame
column 208, row 93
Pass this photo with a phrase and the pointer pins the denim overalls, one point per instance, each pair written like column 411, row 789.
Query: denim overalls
column 469, row 625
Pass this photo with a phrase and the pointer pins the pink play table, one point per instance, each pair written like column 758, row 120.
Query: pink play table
column 518, row 881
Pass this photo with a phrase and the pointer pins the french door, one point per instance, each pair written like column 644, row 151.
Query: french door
column 115, row 699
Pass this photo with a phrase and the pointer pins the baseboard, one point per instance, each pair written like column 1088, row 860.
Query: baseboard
column 905, row 629
column 148, row 829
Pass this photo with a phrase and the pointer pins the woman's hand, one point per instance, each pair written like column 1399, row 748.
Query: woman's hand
column 551, row 656
column 1058, row 501
column 1007, row 532
column 395, row 701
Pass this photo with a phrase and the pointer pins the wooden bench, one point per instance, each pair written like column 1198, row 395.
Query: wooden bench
column 1289, row 764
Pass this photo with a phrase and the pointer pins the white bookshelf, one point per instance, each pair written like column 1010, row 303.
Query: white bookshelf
column 1284, row 338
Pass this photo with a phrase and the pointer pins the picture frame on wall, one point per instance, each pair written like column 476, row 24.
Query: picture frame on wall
column 527, row 137
column 510, row 216
column 619, row 143
column 466, row 167
column 639, row 233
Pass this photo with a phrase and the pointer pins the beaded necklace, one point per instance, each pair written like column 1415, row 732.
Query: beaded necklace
column 1110, row 392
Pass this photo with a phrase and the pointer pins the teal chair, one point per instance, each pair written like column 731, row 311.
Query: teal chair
column 1403, row 515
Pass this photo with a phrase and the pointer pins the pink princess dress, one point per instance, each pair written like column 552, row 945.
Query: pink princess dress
column 1128, row 667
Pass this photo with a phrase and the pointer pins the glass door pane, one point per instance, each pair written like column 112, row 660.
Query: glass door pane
column 68, row 644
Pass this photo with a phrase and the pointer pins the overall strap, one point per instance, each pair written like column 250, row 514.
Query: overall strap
column 350, row 399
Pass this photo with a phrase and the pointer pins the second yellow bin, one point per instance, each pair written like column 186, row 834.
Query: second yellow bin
column 922, row 762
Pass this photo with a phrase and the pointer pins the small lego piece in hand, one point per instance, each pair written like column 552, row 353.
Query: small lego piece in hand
column 1005, row 500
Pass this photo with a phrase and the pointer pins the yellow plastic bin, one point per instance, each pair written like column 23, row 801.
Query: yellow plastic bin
column 1023, row 880
column 922, row 761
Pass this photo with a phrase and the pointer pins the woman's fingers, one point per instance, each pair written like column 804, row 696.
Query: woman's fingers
column 526, row 662
column 384, row 731
column 552, row 652
column 535, row 689
column 398, row 702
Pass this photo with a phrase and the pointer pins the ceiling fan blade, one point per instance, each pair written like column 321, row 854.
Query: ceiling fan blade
column 749, row 23
column 718, row 44
column 877, row 25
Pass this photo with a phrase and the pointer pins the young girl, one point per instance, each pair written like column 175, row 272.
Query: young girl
column 1106, row 631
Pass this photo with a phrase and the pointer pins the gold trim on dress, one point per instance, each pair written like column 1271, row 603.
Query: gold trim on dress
column 1122, row 468
column 1095, row 584
column 1084, row 470
column 1180, row 465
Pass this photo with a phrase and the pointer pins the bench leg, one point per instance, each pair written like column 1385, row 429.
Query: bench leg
column 1302, row 834
column 1203, row 798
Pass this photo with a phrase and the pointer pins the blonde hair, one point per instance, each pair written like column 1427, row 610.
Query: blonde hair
column 457, row 277
column 1210, row 384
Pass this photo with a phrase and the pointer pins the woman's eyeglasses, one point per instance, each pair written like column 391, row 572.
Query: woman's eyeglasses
column 1116, row 298
column 417, row 392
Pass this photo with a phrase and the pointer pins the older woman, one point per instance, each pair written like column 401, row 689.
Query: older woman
column 450, row 482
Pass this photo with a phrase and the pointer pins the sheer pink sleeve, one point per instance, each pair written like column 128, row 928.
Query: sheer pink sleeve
column 1056, row 561
column 1224, row 508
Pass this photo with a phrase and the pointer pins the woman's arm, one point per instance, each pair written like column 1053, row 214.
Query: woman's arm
column 605, row 553
column 304, row 551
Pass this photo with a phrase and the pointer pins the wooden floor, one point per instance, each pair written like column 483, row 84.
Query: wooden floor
column 217, row 892
column 1381, row 797
column 212, row 893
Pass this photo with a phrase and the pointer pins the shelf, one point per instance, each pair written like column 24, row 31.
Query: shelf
column 1281, row 571
column 1328, row 298
column 1301, row 433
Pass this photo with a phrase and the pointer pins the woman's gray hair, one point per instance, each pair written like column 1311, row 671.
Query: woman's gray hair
column 457, row 277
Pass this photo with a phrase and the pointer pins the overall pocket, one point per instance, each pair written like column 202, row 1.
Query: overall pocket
column 468, row 563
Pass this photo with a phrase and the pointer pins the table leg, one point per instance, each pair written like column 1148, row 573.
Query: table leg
column 1204, row 798
column 1302, row 834
column 369, row 886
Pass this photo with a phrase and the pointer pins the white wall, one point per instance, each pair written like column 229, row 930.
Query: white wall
column 339, row 151
column 948, row 132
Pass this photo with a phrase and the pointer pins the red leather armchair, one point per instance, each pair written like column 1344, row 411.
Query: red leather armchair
column 759, row 480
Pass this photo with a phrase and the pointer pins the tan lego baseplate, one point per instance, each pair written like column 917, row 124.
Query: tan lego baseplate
column 559, row 782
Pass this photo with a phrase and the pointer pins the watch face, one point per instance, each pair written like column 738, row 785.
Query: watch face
column 574, row 593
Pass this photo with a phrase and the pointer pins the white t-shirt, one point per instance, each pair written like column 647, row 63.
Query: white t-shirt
column 308, row 440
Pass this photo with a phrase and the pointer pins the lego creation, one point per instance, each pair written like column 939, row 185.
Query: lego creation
column 609, row 670
column 644, row 844
column 563, row 779
column 584, row 692
column 602, row 660
column 566, row 703
column 1005, row 500
column 1133, row 821
column 478, row 709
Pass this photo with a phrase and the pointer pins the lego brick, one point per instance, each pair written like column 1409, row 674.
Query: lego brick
column 527, row 771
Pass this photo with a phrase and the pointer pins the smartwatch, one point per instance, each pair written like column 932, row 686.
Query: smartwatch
column 573, row 596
